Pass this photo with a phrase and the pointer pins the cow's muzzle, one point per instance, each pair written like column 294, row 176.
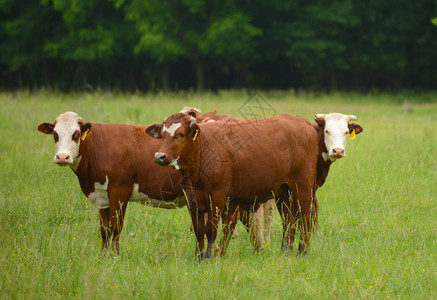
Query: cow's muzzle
column 337, row 152
column 62, row 159
column 160, row 158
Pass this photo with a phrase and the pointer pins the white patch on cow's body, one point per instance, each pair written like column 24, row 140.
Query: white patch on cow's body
column 210, row 121
column 144, row 199
column 174, row 163
column 172, row 128
column 65, row 126
column 99, row 198
column 336, row 133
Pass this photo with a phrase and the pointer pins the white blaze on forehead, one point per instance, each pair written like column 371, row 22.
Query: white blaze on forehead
column 65, row 126
column 99, row 198
column 172, row 128
column 336, row 132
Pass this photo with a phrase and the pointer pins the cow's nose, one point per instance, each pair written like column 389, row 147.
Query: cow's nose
column 338, row 152
column 62, row 158
column 159, row 156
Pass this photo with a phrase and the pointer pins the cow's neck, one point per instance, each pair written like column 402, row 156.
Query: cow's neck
column 75, row 165
column 323, row 164
column 80, row 165
column 190, row 164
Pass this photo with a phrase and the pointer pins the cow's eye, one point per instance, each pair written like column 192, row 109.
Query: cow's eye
column 346, row 132
column 76, row 136
column 181, row 135
column 326, row 132
column 55, row 136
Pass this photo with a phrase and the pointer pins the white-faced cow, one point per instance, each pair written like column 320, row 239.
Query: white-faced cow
column 230, row 167
column 333, row 131
column 114, row 165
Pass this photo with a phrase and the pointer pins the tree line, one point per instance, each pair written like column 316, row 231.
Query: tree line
column 152, row 45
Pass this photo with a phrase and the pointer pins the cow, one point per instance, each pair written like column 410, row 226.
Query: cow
column 333, row 131
column 114, row 166
column 257, row 223
column 230, row 167
column 336, row 125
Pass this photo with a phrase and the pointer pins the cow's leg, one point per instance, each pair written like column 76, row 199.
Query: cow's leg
column 118, row 198
column 198, row 221
column 268, row 208
column 229, row 219
column 211, row 231
column 196, row 207
column 215, row 210
column 256, row 228
column 253, row 224
column 315, row 212
column 305, row 204
column 104, row 227
column 288, row 209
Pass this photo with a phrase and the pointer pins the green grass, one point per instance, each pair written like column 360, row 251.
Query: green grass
column 377, row 233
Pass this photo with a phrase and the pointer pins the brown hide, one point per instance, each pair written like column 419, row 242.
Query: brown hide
column 245, row 162
column 122, row 153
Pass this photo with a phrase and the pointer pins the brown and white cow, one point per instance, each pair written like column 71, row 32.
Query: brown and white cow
column 333, row 131
column 257, row 223
column 229, row 167
column 114, row 165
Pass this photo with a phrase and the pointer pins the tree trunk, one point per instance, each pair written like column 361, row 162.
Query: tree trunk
column 47, row 75
column 165, row 79
column 19, row 80
column 200, row 77
column 333, row 81
column 240, row 79
column 84, row 76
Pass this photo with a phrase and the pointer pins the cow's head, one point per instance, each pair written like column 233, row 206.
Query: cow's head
column 336, row 129
column 178, row 133
column 67, row 130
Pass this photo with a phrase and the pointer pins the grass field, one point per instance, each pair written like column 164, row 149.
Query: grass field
column 377, row 233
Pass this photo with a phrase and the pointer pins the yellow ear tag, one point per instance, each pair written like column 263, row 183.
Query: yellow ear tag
column 84, row 135
column 352, row 135
column 195, row 135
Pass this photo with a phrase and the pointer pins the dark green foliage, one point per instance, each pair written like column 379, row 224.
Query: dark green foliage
column 153, row 45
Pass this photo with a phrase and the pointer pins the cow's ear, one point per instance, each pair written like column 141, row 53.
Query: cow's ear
column 193, row 130
column 155, row 130
column 319, row 121
column 358, row 129
column 46, row 128
column 192, row 113
column 84, row 127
